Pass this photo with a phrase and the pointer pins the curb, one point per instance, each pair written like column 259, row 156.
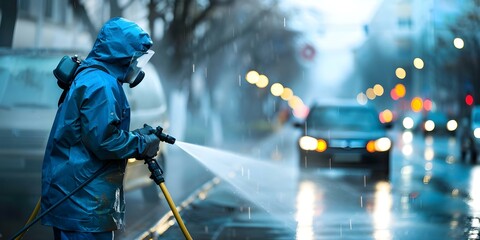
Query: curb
column 168, row 219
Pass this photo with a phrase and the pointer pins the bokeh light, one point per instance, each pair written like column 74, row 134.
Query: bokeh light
column 262, row 81
column 416, row 104
column 276, row 89
column 393, row 94
column 295, row 102
column 378, row 90
column 418, row 63
column 469, row 100
column 452, row 125
column 400, row 73
column 427, row 105
column 458, row 43
column 252, row 77
column 370, row 94
column 400, row 90
column 362, row 98
column 287, row 94
column 408, row 123
column 429, row 125
column 386, row 116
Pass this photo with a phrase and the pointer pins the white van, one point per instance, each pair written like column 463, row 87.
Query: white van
column 28, row 103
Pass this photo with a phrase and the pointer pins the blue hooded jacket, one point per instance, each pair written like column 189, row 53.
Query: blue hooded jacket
column 91, row 128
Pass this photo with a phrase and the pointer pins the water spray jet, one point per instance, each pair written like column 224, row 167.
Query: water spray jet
column 268, row 185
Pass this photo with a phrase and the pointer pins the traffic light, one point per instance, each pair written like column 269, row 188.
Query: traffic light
column 469, row 99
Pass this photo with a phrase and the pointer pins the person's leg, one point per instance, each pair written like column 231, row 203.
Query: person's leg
column 59, row 234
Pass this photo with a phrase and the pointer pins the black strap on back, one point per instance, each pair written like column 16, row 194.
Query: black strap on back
column 65, row 90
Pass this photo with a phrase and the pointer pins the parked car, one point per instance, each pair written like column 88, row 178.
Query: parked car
column 28, row 102
column 469, row 136
column 345, row 135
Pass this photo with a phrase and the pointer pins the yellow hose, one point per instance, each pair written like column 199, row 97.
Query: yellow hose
column 175, row 211
column 32, row 216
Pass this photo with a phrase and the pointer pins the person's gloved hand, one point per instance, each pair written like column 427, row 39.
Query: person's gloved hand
column 152, row 146
column 146, row 130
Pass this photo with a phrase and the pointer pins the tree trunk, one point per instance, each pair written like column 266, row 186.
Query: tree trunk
column 81, row 13
column 7, row 23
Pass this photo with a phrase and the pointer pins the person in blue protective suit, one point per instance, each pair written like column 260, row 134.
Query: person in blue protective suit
column 91, row 130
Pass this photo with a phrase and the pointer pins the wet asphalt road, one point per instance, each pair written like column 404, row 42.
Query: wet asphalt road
column 431, row 195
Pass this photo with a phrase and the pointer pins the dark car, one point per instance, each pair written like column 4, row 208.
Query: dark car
column 345, row 135
column 469, row 136
column 436, row 122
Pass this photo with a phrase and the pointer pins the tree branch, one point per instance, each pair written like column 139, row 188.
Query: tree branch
column 243, row 32
column 81, row 12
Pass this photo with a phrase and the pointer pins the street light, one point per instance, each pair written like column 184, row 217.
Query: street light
column 287, row 94
column 418, row 63
column 378, row 89
column 400, row 73
column 276, row 89
column 458, row 43
column 252, row 77
column 262, row 81
column 371, row 94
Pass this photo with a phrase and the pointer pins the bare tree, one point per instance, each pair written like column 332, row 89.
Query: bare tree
column 463, row 63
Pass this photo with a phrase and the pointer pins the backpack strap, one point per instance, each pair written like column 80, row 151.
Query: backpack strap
column 66, row 89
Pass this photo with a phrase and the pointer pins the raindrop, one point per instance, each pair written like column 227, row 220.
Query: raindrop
column 193, row 67
column 284, row 22
column 361, row 201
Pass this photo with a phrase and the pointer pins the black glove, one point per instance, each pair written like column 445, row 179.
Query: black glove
column 152, row 146
column 146, row 130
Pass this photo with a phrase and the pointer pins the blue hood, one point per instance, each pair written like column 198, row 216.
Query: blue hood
column 115, row 46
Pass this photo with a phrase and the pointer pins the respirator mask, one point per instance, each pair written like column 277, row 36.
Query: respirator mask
column 134, row 74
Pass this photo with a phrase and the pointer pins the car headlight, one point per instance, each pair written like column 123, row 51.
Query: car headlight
column 429, row 125
column 380, row 145
column 452, row 125
column 307, row 143
column 408, row 123
column 310, row 144
column 476, row 132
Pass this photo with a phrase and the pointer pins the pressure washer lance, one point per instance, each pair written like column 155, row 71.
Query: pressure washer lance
column 157, row 177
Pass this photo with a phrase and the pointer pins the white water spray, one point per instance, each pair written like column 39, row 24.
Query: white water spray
column 268, row 185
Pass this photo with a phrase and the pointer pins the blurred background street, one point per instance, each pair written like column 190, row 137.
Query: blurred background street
column 294, row 119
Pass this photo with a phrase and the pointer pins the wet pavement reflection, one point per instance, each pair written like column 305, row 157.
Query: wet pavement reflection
column 431, row 195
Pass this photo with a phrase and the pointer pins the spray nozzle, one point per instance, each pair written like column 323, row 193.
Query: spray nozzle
column 164, row 137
